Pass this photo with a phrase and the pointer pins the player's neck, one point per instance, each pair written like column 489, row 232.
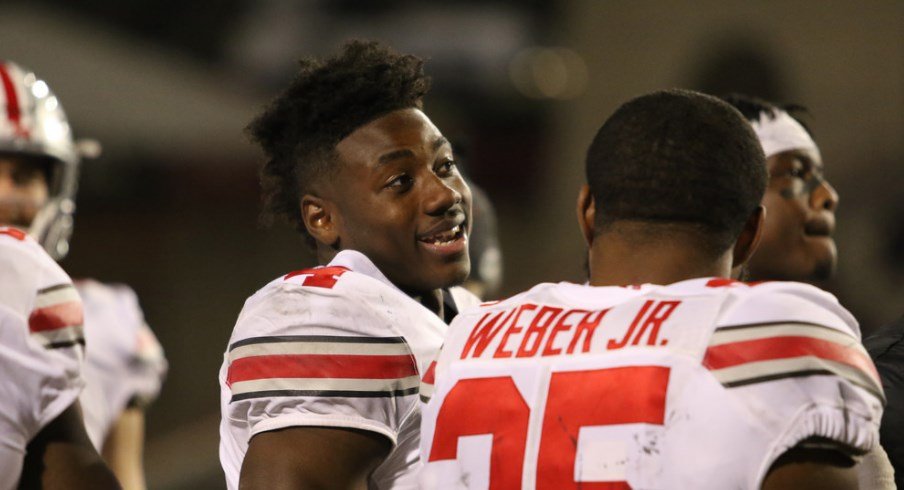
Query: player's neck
column 618, row 262
column 432, row 300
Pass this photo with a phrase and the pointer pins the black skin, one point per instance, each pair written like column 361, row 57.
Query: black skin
column 797, row 242
column 62, row 457
column 396, row 182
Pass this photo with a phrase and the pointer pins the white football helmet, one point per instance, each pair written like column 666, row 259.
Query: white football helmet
column 32, row 122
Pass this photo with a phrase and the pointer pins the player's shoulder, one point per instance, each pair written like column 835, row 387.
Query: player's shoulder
column 94, row 291
column 776, row 333
column 785, row 302
column 543, row 293
column 328, row 300
column 17, row 247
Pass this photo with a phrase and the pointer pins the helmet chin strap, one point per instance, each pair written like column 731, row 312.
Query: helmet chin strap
column 52, row 227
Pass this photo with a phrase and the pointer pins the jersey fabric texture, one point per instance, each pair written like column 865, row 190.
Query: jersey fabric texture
column 124, row 362
column 886, row 346
column 41, row 346
column 334, row 346
column 700, row 384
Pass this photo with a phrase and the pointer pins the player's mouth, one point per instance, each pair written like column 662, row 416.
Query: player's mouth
column 446, row 239
column 819, row 228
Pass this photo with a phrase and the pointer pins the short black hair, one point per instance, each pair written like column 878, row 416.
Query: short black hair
column 677, row 158
column 753, row 108
column 327, row 101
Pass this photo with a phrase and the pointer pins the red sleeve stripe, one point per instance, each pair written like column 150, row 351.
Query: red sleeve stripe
column 319, row 366
column 775, row 348
column 60, row 315
column 728, row 355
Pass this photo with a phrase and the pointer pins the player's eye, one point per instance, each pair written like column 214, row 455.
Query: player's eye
column 400, row 183
column 446, row 167
column 798, row 170
column 25, row 176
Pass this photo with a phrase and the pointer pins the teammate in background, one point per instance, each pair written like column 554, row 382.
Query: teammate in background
column 124, row 365
column 661, row 372
column 319, row 385
column 797, row 242
column 44, row 443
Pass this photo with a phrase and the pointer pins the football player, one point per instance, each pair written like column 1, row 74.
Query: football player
column 320, row 379
column 44, row 442
column 797, row 243
column 661, row 372
column 124, row 366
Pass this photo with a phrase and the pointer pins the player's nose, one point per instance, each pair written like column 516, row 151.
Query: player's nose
column 824, row 197
column 441, row 197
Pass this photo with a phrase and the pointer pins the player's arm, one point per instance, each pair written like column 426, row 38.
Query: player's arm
column 123, row 448
column 312, row 458
column 812, row 468
column 61, row 456
column 144, row 371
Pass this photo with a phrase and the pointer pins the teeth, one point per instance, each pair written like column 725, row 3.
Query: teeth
column 446, row 237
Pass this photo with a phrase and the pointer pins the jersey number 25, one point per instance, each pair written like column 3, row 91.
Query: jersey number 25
column 574, row 399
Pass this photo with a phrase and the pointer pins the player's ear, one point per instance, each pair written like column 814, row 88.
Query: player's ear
column 320, row 219
column 749, row 238
column 586, row 211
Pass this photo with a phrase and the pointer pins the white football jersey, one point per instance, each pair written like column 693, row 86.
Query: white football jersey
column 333, row 346
column 124, row 361
column 40, row 346
column 700, row 384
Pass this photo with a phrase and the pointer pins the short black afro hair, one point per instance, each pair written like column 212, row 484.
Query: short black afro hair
column 677, row 158
column 327, row 101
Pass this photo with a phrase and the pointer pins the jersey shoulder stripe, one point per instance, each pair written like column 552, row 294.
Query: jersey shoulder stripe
column 740, row 355
column 322, row 366
column 58, row 318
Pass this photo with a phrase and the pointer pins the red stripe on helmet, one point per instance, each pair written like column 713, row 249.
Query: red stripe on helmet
column 13, row 111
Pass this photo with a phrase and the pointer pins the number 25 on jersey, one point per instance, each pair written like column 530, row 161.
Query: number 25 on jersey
column 549, row 438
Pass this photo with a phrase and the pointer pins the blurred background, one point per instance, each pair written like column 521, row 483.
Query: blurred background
column 520, row 87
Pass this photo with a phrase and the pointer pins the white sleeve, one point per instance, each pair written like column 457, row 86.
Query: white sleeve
column 35, row 387
column 312, row 357
column 10, row 466
column 145, row 366
column 790, row 359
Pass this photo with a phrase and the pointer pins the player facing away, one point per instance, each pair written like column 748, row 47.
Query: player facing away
column 44, row 442
column 660, row 372
column 319, row 384
column 124, row 365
